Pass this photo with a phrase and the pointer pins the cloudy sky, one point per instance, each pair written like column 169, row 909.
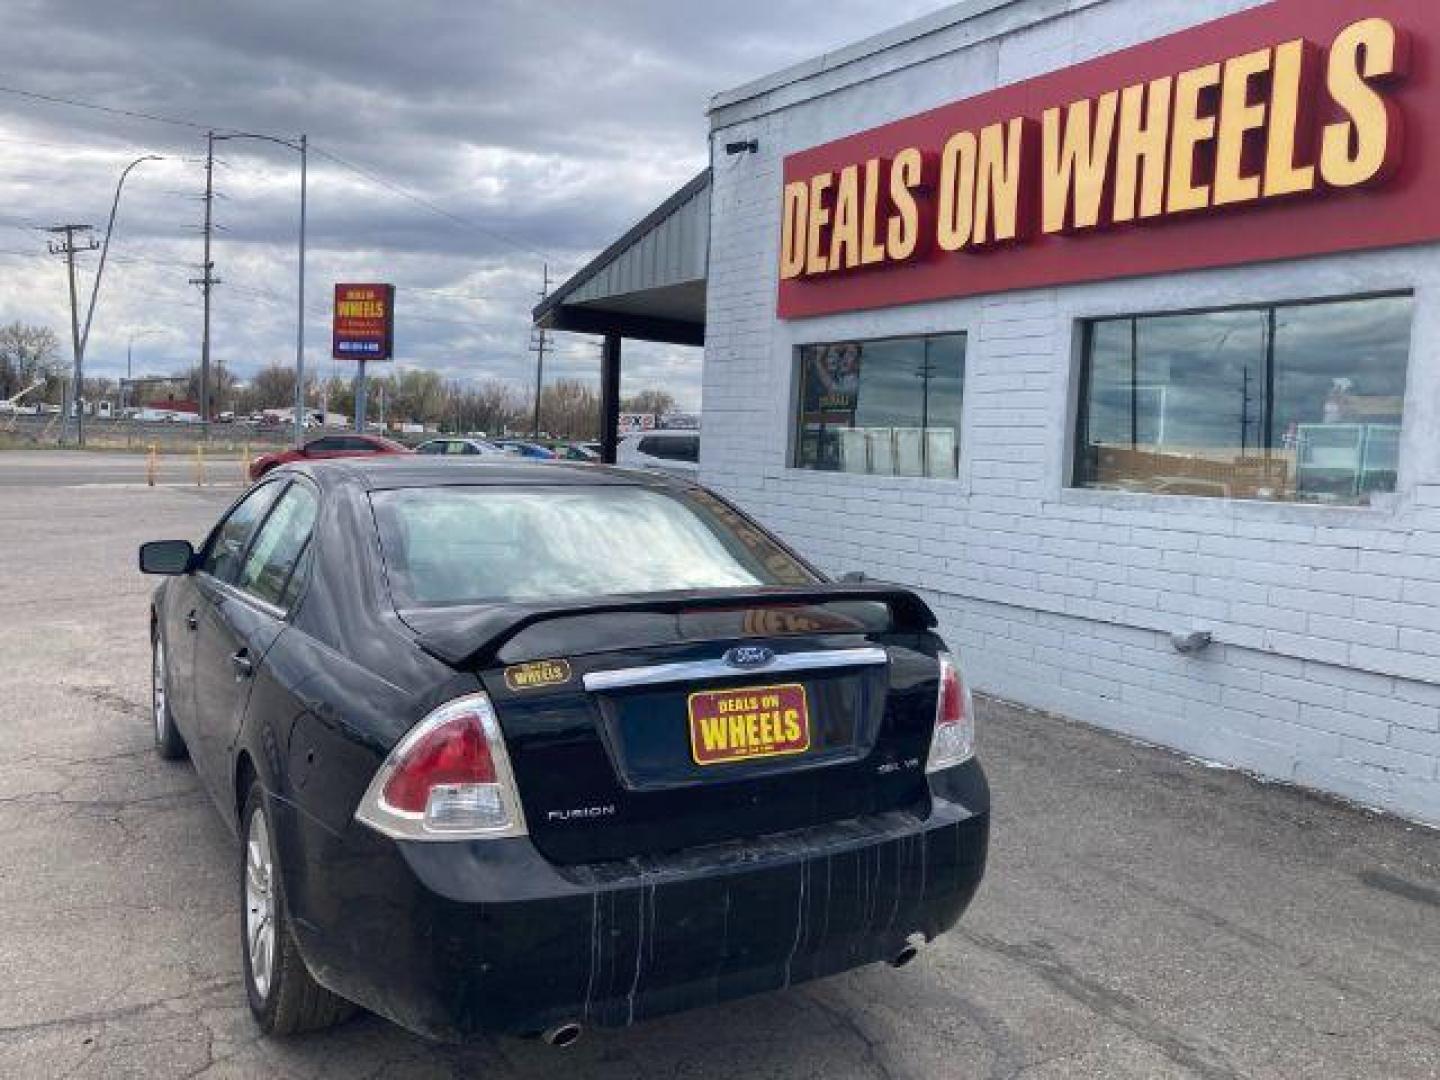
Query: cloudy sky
column 527, row 132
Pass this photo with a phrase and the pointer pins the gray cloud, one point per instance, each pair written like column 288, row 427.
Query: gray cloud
column 554, row 125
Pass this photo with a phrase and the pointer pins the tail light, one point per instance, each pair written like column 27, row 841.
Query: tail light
column 448, row 779
column 953, row 741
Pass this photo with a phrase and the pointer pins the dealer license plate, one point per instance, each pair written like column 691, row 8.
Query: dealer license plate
column 755, row 722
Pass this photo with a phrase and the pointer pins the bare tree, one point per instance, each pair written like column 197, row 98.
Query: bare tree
column 570, row 409
column 27, row 354
column 658, row 402
column 273, row 387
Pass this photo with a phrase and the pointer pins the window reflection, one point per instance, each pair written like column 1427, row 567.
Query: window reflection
column 1299, row 402
column 888, row 408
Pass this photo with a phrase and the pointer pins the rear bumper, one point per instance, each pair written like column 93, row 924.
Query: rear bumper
column 454, row 940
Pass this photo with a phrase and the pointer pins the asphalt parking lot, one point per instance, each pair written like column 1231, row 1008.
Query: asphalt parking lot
column 1143, row 917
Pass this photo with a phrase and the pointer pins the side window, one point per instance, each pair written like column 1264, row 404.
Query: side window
column 279, row 546
column 227, row 546
column 354, row 444
column 458, row 447
column 435, row 447
column 324, row 446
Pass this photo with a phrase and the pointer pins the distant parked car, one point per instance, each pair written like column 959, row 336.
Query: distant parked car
column 456, row 445
column 327, row 446
column 576, row 452
column 526, row 449
column 671, row 451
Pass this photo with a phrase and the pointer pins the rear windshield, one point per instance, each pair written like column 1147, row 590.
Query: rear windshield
column 458, row 545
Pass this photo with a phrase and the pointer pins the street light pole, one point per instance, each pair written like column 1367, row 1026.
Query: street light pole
column 300, row 310
column 105, row 246
column 302, row 148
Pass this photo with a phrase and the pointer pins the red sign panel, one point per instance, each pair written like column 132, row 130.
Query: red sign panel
column 1302, row 127
column 757, row 722
column 364, row 325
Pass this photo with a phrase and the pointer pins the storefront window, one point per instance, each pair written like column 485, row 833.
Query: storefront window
column 1293, row 403
column 882, row 408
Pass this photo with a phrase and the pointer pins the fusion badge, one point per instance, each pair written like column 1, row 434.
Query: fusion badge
column 755, row 722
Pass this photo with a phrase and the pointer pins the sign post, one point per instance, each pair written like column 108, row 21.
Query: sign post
column 363, row 330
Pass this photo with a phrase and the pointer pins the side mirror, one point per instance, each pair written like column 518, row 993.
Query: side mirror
column 853, row 577
column 171, row 557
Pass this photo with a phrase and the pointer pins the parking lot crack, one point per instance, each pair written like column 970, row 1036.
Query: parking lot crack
column 1106, row 1002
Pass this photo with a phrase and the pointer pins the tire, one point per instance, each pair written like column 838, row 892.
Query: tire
column 169, row 743
column 285, row 999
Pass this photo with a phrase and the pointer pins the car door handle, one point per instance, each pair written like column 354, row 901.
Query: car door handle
column 192, row 623
column 242, row 664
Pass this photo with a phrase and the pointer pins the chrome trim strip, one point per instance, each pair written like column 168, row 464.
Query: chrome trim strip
column 226, row 589
column 700, row 670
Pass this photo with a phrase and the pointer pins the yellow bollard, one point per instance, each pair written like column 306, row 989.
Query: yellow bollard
column 199, row 466
column 150, row 466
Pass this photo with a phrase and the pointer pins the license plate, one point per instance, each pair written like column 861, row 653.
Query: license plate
column 742, row 725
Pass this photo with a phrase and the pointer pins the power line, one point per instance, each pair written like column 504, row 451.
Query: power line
column 361, row 171
column 134, row 114
column 420, row 200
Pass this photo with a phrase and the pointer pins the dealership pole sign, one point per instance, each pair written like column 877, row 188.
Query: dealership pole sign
column 1301, row 127
column 364, row 322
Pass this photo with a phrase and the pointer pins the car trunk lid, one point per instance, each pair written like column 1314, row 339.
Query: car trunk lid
column 703, row 723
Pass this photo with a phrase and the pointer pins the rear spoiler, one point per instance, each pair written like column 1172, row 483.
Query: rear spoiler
column 471, row 636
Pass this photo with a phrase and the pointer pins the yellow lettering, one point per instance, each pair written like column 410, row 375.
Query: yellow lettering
column 792, row 725
column 1076, row 165
column 871, row 250
column 997, row 196
column 792, row 231
column 1141, row 150
column 737, row 730
column 752, row 736
column 1282, row 175
column 957, row 190
column 1358, row 150
column 1190, row 130
column 712, row 733
column 1239, row 116
column 815, row 260
column 902, row 234
column 845, row 236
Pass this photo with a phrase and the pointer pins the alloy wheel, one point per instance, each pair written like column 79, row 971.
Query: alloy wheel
column 260, row 903
column 157, row 688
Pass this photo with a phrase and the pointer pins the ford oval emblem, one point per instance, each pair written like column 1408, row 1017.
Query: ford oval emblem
column 749, row 656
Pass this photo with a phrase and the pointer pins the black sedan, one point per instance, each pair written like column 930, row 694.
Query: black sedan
column 519, row 748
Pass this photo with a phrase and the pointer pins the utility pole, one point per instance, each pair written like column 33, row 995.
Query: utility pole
column 67, row 248
column 207, row 281
column 538, row 348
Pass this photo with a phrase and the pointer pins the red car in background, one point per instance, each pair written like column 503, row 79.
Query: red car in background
column 327, row 446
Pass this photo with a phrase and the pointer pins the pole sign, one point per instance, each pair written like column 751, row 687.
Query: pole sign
column 630, row 423
column 1292, row 129
column 364, row 322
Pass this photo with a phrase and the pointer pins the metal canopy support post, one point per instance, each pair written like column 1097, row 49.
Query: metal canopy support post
column 609, row 397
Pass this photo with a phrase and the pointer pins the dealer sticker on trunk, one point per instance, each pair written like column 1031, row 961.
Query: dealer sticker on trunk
column 755, row 722
column 537, row 674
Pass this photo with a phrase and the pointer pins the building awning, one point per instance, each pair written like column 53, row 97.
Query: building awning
column 649, row 284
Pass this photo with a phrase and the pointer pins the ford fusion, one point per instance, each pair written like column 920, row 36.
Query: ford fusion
column 520, row 748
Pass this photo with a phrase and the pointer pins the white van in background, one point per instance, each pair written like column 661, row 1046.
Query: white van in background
column 671, row 451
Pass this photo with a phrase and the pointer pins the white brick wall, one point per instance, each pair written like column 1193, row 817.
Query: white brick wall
column 1326, row 667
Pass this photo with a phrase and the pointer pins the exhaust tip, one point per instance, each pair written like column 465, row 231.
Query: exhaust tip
column 562, row 1034
column 904, row 956
column 910, row 950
